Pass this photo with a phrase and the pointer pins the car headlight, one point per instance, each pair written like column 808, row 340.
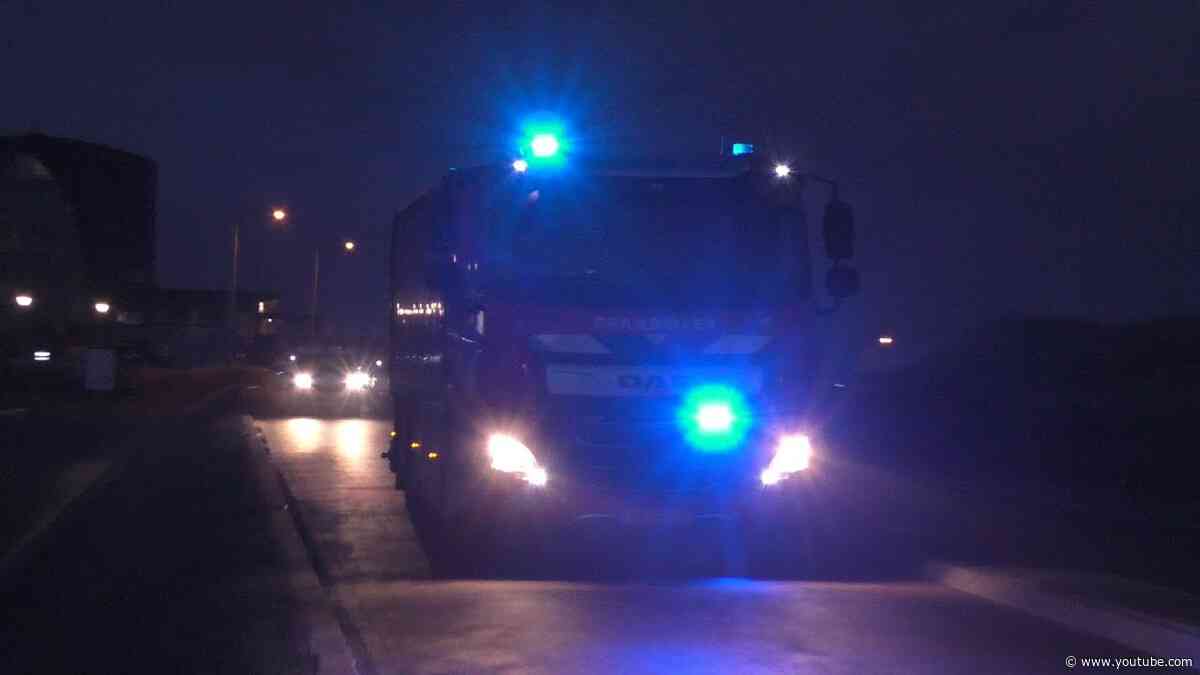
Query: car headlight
column 510, row 455
column 792, row 455
column 357, row 381
column 303, row 380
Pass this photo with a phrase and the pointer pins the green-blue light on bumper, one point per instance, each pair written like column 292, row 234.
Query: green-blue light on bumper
column 714, row 418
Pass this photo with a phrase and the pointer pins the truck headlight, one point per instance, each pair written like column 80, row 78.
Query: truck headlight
column 303, row 380
column 792, row 455
column 357, row 381
column 510, row 455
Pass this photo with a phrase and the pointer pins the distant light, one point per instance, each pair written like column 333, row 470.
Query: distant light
column 23, row 300
column 357, row 380
column 303, row 380
column 743, row 149
column 886, row 340
column 432, row 454
column 378, row 363
column 349, row 245
column 262, row 306
column 291, row 357
column 415, row 444
column 279, row 215
column 782, row 170
column 270, row 320
column 520, row 166
column 544, row 145
column 102, row 307
column 41, row 356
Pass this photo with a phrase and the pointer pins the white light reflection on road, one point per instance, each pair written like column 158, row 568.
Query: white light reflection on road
column 351, row 443
column 303, row 434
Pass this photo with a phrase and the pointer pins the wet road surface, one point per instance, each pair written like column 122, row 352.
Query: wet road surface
column 408, row 622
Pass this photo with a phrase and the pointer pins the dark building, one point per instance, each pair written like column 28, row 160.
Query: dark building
column 109, row 197
column 77, row 231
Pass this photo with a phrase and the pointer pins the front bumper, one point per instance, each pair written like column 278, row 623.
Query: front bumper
column 567, row 502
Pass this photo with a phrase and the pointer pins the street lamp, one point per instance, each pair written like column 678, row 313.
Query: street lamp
column 349, row 246
column 23, row 300
column 278, row 215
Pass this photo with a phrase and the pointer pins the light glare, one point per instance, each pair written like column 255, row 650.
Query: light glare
column 544, row 145
column 23, row 300
column 102, row 307
column 510, row 455
column 357, row 381
column 792, row 455
column 303, row 380
column 520, row 166
column 782, row 170
column 714, row 417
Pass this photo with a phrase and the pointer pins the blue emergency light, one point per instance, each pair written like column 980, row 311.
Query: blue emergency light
column 743, row 149
column 544, row 145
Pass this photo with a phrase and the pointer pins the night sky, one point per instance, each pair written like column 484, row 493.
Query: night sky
column 1004, row 158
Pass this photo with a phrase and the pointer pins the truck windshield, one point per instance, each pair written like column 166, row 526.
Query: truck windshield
column 643, row 241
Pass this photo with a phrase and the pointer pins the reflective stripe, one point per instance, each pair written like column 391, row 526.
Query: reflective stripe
column 645, row 381
column 571, row 343
column 737, row 344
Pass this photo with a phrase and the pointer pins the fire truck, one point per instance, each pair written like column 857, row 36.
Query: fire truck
column 577, row 341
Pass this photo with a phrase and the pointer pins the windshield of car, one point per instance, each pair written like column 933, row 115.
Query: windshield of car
column 637, row 240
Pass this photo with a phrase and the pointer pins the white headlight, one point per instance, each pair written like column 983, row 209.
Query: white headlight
column 792, row 455
column 512, row 456
column 357, row 380
column 303, row 380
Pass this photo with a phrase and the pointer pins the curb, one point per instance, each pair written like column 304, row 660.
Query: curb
column 25, row 547
column 333, row 640
column 1019, row 589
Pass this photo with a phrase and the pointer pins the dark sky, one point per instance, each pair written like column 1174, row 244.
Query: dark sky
column 1029, row 157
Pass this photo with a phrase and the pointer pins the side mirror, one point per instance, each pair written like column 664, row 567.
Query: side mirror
column 839, row 230
column 842, row 282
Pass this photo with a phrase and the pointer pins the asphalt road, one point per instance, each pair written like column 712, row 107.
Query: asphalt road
column 403, row 620
column 206, row 554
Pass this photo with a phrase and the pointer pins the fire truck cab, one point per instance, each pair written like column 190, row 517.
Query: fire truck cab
column 623, row 341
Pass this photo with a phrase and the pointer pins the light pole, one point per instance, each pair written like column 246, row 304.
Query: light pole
column 278, row 215
column 348, row 246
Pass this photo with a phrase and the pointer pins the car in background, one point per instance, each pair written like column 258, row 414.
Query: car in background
column 332, row 374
